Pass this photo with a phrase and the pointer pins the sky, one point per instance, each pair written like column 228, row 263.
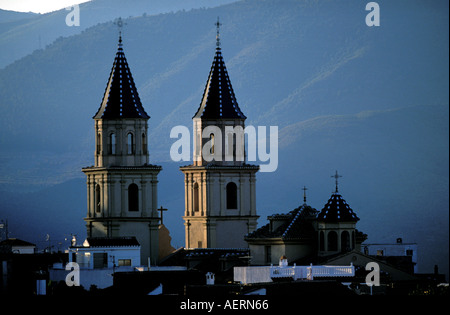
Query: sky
column 41, row 6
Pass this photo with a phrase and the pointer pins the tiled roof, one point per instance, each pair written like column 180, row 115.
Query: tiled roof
column 219, row 101
column 296, row 224
column 121, row 99
column 337, row 210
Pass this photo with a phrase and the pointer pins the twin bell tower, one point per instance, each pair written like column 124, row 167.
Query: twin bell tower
column 220, row 195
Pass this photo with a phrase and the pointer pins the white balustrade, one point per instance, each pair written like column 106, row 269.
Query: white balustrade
column 311, row 272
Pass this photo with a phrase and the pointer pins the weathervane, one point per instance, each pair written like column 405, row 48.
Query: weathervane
column 336, row 176
column 218, row 32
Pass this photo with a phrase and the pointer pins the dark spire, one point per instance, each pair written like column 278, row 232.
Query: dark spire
column 337, row 210
column 121, row 99
column 219, row 101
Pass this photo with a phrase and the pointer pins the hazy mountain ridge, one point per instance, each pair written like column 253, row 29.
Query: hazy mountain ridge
column 13, row 17
column 23, row 33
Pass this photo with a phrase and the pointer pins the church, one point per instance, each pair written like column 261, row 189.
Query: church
column 306, row 235
column 220, row 211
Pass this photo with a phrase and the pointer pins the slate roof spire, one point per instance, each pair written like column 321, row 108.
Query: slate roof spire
column 121, row 99
column 219, row 101
column 337, row 209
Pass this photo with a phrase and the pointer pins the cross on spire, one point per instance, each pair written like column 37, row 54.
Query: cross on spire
column 304, row 193
column 336, row 177
column 218, row 24
column 120, row 23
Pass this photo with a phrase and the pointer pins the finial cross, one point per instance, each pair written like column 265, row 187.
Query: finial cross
column 120, row 23
column 304, row 193
column 218, row 24
column 336, row 177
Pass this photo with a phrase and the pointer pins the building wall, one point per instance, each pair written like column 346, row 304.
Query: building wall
column 395, row 249
column 195, row 232
column 277, row 249
column 23, row 249
column 113, row 217
column 211, row 222
column 248, row 275
column 230, row 233
column 84, row 256
column 114, row 187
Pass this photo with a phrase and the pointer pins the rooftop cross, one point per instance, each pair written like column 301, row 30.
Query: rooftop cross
column 161, row 209
column 336, row 176
column 218, row 32
column 120, row 24
column 304, row 193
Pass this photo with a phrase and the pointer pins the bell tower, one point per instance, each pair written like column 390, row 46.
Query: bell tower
column 122, row 185
column 220, row 203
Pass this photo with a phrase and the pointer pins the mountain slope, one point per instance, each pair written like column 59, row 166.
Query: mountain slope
column 24, row 35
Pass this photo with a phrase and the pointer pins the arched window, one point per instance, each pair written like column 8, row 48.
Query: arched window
column 133, row 197
column 144, row 144
column 211, row 136
column 332, row 241
column 345, row 241
column 130, row 143
column 99, row 143
column 112, row 143
column 231, row 195
column 196, row 207
column 97, row 198
column 321, row 241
